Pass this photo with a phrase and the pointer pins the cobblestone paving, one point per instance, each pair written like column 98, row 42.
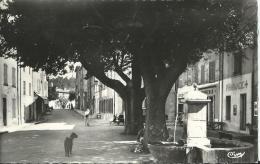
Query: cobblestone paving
column 99, row 143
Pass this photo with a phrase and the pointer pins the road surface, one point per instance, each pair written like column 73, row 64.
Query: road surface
column 99, row 143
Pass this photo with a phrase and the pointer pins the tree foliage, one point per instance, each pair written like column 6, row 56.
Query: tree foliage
column 61, row 82
column 72, row 95
column 107, row 34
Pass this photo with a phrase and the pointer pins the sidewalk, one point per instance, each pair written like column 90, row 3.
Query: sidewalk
column 14, row 128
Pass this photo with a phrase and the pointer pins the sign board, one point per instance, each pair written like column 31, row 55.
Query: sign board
column 236, row 86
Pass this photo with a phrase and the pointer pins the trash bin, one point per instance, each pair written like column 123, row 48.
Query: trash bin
column 98, row 116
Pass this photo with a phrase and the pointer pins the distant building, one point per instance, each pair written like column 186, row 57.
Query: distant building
column 107, row 101
column 91, row 93
column 63, row 92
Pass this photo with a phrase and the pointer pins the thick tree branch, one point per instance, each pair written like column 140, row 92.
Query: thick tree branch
column 122, row 74
column 171, row 75
column 119, row 71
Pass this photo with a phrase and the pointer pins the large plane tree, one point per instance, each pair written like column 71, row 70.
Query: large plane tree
column 156, row 39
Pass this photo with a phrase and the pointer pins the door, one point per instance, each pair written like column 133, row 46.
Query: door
column 4, row 111
column 243, row 112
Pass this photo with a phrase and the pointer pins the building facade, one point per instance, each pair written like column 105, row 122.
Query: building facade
column 21, row 101
column 107, row 101
column 230, row 82
column 9, row 115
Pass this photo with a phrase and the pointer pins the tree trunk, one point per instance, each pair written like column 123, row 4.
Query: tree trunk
column 133, row 112
column 134, row 115
column 156, row 129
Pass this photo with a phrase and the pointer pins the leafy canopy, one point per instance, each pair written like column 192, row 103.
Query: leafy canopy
column 105, row 35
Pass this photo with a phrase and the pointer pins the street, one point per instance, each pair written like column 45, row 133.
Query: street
column 43, row 142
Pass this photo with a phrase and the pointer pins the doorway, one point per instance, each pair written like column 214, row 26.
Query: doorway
column 4, row 111
column 243, row 112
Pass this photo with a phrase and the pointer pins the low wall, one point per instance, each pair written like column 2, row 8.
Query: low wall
column 223, row 151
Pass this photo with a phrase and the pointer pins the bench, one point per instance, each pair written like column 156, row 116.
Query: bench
column 214, row 125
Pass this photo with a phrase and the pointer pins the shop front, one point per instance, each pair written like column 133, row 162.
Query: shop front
column 237, row 107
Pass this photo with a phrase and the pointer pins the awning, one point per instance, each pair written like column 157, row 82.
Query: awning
column 208, row 85
column 44, row 98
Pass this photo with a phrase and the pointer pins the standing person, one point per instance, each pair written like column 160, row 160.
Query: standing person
column 86, row 117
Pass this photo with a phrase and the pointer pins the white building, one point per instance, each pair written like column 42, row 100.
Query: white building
column 9, row 114
column 22, row 98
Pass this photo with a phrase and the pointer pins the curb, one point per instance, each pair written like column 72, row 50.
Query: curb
column 42, row 121
column 3, row 132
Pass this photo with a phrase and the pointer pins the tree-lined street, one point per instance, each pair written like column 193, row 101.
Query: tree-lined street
column 101, row 142
column 139, row 50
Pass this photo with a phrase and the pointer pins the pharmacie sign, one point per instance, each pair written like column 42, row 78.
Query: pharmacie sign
column 236, row 85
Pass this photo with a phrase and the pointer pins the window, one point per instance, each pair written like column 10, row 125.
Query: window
column 29, row 70
column 202, row 74
column 237, row 64
column 14, row 108
column 212, row 71
column 228, row 107
column 5, row 74
column 30, row 89
column 13, row 77
column 24, row 88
